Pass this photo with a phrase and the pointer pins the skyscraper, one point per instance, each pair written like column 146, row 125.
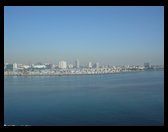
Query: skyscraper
column 14, row 66
column 97, row 65
column 77, row 63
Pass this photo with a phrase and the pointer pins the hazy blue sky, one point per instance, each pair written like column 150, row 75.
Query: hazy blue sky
column 110, row 35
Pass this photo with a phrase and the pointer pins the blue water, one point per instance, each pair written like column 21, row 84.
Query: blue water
column 114, row 99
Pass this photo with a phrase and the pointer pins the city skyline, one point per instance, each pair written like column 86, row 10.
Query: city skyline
column 76, row 64
column 108, row 35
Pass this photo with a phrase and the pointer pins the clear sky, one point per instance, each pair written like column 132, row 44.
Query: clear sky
column 115, row 35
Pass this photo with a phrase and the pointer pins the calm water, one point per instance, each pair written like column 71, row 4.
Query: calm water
column 118, row 99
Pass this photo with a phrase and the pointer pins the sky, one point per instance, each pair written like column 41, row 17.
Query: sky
column 116, row 35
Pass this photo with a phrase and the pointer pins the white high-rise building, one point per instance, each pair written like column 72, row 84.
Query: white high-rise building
column 77, row 63
column 14, row 66
column 90, row 65
column 62, row 64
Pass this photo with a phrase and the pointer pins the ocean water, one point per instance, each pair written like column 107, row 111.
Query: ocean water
column 126, row 99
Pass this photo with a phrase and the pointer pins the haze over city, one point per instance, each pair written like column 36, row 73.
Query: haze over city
column 84, row 66
column 109, row 35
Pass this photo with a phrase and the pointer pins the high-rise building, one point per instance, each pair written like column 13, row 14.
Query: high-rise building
column 97, row 65
column 90, row 65
column 14, row 66
column 77, row 63
column 62, row 64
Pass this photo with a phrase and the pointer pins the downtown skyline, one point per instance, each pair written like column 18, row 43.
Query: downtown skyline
column 108, row 35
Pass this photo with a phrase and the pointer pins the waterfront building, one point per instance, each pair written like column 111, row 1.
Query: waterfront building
column 77, row 63
column 9, row 67
column 5, row 65
column 97, row 65
column 70, row 66
column 14, row 66
column 147, row 65
column 90, row 65
column 39, row 66
column 62, row 64
column 109, row 66
column 49, row 66
column 26, row 66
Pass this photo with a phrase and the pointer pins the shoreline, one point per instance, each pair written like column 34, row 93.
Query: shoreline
column 81, row 73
